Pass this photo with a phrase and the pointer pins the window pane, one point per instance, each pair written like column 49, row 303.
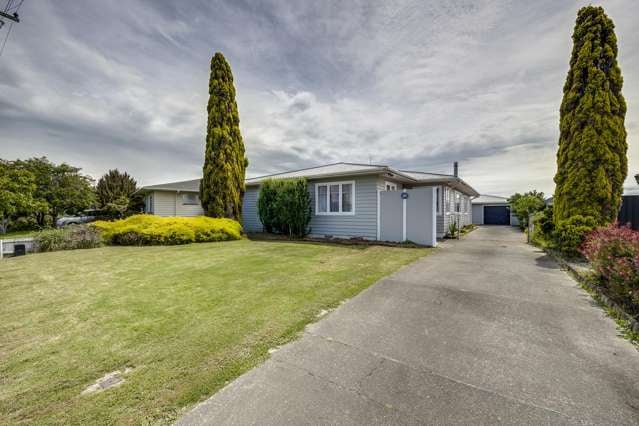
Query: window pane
column 321, row 198
column 437, row 197
column 347, row 197
column 334, row 200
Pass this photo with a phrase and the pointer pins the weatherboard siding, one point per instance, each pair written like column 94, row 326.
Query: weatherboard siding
column 164, row 203
column 362, row 224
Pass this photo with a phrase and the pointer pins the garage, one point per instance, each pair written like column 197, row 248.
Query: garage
column 496, row 215
column 492, row 210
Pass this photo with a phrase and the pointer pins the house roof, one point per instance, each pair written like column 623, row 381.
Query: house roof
column 331, row 171
column 490, row 199
column 185, row 186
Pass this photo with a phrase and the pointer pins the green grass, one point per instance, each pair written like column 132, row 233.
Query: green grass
column 187, row 319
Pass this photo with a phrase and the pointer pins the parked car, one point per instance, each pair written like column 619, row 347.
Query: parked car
column 84, row 217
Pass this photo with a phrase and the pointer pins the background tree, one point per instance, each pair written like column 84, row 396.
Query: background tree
column 525, row 205
column 115, row 193
column 17, row 186
column 591, row 160
column 60, row 189
column 222, row 186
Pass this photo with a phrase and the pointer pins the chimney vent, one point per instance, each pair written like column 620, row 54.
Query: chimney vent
column 455, row 169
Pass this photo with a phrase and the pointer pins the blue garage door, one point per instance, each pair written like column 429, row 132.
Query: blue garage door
column 496, row 215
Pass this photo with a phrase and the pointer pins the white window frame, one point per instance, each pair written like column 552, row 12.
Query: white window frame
column 328, row 198
column 194, row 203
column 458, row 198
column 392, row 185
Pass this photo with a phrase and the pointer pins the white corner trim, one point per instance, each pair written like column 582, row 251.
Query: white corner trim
column 379, row 218
column 403, row 217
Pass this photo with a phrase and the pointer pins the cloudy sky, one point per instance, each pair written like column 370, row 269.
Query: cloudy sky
column 413, row 84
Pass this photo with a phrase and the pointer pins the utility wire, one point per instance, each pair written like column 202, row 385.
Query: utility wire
column 4, row 43
column 10, row 8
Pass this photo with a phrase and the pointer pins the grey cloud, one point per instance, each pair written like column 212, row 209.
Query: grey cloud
column 410, row 83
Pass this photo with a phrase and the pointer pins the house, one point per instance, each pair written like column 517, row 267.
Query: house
column 348, row 200
column 493, row 210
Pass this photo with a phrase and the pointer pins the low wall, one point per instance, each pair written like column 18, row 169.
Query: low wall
column 7, row 246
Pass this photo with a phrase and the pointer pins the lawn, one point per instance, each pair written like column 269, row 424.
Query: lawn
column 186, row 319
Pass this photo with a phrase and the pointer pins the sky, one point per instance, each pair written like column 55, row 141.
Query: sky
column 411, row 84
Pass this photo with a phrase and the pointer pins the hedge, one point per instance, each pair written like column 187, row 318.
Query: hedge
column 284, row 206
column 156, row 230
column 69, row 238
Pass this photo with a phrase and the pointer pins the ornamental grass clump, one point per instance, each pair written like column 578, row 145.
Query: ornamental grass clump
column 156, row 230
column 613, row 252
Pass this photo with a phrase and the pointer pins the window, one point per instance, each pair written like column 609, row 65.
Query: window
column 390, row 186
column 335, row 198
column 438, row 195
column 457, row 202
column 321, row 198
column 190, row 199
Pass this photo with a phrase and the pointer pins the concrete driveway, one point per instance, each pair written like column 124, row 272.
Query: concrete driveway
column 486, row 330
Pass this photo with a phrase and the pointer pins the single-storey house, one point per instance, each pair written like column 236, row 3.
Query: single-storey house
column 373, row 202
column 493, row 210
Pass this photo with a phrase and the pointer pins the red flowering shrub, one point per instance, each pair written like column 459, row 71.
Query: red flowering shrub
column 613, row 252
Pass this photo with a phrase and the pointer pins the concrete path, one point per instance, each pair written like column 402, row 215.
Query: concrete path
column 486, row 330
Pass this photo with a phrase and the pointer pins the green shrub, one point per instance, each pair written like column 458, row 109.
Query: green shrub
column 156, row 230
column 69, row 238
column 569, row 234
column 453, row 230
column 544, row 227
column 284, row 206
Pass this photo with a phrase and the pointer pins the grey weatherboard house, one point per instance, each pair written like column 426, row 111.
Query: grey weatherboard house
column 348, row 201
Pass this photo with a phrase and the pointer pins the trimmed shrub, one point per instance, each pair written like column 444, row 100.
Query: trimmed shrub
column 613, row 252
column 569, row 234
column 284, row 206
column 69, row 238
column 156, row 230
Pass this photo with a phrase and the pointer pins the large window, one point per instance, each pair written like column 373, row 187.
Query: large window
column 190, row 199
column 335, row 198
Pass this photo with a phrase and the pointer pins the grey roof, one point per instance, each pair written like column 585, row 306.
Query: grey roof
column 334, row 170
column 185, row 185
column 328, row 170
column 490, row 199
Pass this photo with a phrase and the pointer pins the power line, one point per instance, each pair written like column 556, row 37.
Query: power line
column 9, row 12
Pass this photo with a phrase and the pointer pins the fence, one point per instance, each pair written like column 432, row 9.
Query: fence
column 408, row 215
column 629, row 212
column 8, row 246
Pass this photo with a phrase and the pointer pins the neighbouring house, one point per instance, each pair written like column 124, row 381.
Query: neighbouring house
column 372, row 202
column 493, row 210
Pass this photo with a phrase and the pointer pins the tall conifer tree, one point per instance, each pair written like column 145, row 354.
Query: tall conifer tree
column 591, row 160
column 222, row 186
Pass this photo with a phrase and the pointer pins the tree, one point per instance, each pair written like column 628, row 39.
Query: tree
column 115, row 193
column 17, row 186
column 591, row 160
column 60, row 189
column 525, row 205
column 222, row 186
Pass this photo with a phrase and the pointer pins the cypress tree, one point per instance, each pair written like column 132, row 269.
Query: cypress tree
column 591, row 160
column 222, row 186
